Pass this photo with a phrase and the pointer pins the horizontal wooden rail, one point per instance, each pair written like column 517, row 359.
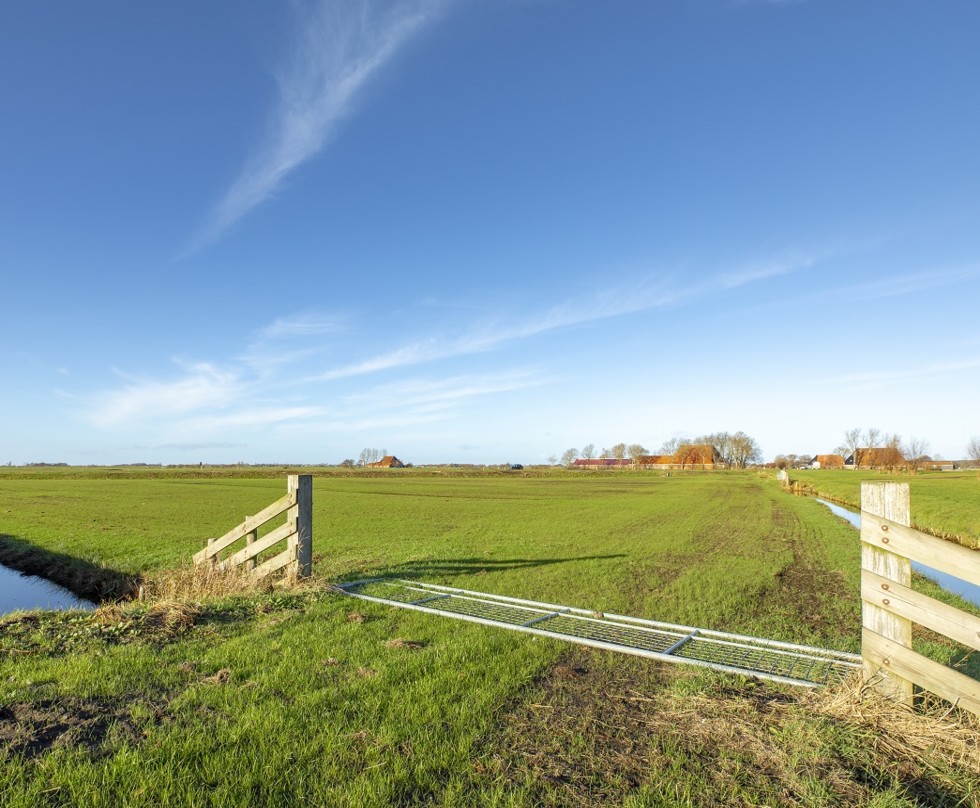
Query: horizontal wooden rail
column 297, row 504
column 891, row 605
column 944, row 682
column 252, row 550
column 267, row 514
column 921, row 609
column 940, row 554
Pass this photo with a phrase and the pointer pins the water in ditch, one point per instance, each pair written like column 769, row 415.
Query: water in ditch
column 19, row 591
column 967, row 591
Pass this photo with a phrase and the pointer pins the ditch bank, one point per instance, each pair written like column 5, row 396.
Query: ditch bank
column 30, row 569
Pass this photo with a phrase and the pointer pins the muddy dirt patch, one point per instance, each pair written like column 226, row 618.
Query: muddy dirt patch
column 36, row 728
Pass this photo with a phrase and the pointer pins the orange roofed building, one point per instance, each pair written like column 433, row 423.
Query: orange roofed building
column 387, row 462
column 828, row 461
column 885, row 458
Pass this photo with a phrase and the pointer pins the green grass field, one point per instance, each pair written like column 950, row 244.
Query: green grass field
column 285, row 697
column 945, row 503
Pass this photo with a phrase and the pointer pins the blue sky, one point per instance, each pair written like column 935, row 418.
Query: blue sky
column 485, row 230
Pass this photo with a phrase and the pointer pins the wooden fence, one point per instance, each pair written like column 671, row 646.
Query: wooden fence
column 297, row 533
column 890, row 605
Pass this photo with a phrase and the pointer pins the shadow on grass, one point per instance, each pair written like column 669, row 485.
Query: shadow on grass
column 83, row 578
column 474, row 566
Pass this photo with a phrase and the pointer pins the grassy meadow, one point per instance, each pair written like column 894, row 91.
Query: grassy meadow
column 946, row 503
column 280, row 696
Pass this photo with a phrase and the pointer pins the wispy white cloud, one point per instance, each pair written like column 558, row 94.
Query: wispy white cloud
column 200, row 385
column 417, row 402
column 447, row 392
column 210, row 396
column 302, row 325
column 649, row 294
column 909, row 283
column 252, row 417
column 877, row 378
column 339, row 46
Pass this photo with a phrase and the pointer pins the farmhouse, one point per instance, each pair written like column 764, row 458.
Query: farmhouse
column 602, row 463
column 692, row 456
column 885, row 457
column 387, row 462
column 827, row 461
column 698, row 455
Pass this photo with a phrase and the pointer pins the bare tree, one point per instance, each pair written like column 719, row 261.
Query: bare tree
column 781, row 461
column 744, row 450
column 369, row 456
column 635, row 451
column 552, row 459
column 605, row 453
column 671, row 446
column 871, row 437
column 973, row 449
column 805, row 460
column 568, row 457
column 916, row 451
column 619, row 451
column 588, row 451
column 852, row 442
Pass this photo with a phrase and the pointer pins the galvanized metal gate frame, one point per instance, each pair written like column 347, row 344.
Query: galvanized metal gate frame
column 788, row 663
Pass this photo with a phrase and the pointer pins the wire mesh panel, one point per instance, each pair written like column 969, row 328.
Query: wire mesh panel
column 750, row 656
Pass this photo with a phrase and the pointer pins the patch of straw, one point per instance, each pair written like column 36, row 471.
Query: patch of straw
column 201, row 581
column 932, row 732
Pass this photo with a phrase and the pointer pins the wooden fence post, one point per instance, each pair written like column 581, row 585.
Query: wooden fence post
column 301, row 519
column 250, row 539
column 891, row 501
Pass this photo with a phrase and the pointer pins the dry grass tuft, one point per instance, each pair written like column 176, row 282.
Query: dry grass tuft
column 933, row 732
column 410, row 645
column 222, row 677
column 171, row 617
column 201, row 581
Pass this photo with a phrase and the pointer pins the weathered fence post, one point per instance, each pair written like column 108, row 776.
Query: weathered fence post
column 250, row 539
column 890, row 501
column 301, row 520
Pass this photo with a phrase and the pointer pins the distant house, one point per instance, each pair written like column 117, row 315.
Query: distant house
column 602, row 462
column 387, row 462
column 887, row 457
column 827, row 461
column 939, row 465
column 698, row 455
column 692, row 456
column 655, row 460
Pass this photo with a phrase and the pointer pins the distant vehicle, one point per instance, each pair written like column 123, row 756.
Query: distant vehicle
column 516, row 467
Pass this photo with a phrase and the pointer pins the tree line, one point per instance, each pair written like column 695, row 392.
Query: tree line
column 738, row 450
column 914, row 450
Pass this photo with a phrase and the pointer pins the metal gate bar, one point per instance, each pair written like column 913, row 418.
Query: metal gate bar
column 788, row 663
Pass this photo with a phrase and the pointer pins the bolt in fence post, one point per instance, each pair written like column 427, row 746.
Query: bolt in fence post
column 890, row 501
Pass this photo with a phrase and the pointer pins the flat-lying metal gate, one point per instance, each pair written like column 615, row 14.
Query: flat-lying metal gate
column 749, row 656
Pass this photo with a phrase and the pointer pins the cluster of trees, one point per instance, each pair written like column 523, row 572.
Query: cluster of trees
column 738, row 450
column 792, row 461
column 619, row 451
column 367, row 456
column 914, row 450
